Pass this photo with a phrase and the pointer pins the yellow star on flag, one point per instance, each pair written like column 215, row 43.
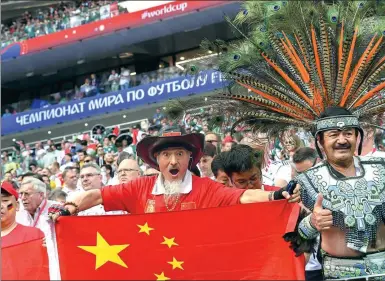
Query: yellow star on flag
column 161, row 276
column 176, row 264
column 145, row 228
column 105, row 252
column 169, row 242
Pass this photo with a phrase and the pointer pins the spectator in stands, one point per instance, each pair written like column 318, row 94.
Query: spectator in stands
column 7, row 165
column 227, row 145
column 109, row 174
column 81, row 155
column 114, row 81
column 109, row 158
column 124, row 81
column 218, row 169
column 49, row 157
column 212, row 138
column 33, row 166
column 13, row 233
column 67, row 162
column 99, row 155
column 8, row 176
column 209, row 153
column 70, row 178
column 86, row 88
column 30, row 29
column 46, row 176
column 58, row 196
column 39, row 150
column 46, row 179
column 55, row 152
column 91, row 176
column 33, row 196
column 128, row 170
column 158, row 117
column 303, row 159
column 95, row 83
column 243, row 167
column 7, row 112
column 290, row 145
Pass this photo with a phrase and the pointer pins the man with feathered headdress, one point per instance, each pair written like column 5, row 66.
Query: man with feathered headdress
column 317, row 66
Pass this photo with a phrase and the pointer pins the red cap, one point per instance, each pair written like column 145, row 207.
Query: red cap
column 8, row 187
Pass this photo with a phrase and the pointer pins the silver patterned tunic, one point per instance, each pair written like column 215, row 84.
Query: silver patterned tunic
column 357, row 203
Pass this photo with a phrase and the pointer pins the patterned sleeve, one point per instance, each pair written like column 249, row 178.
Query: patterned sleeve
column 308, row 190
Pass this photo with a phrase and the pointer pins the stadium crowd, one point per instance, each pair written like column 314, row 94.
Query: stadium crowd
column 52, row 19
column 97, row 84
column 57, row 172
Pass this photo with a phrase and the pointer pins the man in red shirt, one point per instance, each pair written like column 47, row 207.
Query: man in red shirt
column 13, row 233
column 173, row 154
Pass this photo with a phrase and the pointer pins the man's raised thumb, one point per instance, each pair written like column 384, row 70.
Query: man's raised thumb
column 318, row 202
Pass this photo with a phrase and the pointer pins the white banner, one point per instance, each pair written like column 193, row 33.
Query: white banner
column 134, row 6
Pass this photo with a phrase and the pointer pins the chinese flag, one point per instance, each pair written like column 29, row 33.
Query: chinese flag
column 26, row 261
column 228, row 243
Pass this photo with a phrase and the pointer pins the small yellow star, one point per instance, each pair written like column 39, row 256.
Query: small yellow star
column 169, row 242
column 105, row 252
column 145, row 228
column 176, row 264
column 161, row 276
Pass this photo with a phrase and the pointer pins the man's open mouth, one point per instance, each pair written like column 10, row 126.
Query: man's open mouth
column 174, row 172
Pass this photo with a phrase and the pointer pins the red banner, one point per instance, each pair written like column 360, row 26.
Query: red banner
column 26, row 261
column 98, row 28
column 230, row 243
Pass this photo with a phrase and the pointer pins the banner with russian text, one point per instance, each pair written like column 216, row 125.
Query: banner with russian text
column 183, row 86
column 241, row 242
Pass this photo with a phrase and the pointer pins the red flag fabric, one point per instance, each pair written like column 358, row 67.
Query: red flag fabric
column 229, row 243
column 25, row 261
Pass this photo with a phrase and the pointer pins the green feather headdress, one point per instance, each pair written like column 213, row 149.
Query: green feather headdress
column 297, row 58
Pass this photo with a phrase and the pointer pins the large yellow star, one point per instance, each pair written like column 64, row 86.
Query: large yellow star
column 161, row 276
column 169, row 242
column 105, row 252
column 145, row 228
column 176, row 264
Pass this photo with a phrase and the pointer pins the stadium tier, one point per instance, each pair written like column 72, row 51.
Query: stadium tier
column 68, row 66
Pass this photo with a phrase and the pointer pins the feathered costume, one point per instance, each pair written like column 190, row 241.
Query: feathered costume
column 315, row 65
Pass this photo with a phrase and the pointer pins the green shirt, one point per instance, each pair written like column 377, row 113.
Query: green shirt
column 111, row 148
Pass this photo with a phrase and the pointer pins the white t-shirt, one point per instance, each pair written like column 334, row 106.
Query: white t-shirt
column 376, row 153
column 284, row 173
column 124, row 77
column 270, row 172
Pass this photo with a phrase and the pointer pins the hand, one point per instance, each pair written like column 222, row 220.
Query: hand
column 296, row 197
column 55, row 211
column 321, row 219
column 281, row 194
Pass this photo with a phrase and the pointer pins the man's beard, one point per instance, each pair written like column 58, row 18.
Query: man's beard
column 171, row 190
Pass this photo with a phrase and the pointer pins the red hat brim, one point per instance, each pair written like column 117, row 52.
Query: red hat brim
column 8, row 187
